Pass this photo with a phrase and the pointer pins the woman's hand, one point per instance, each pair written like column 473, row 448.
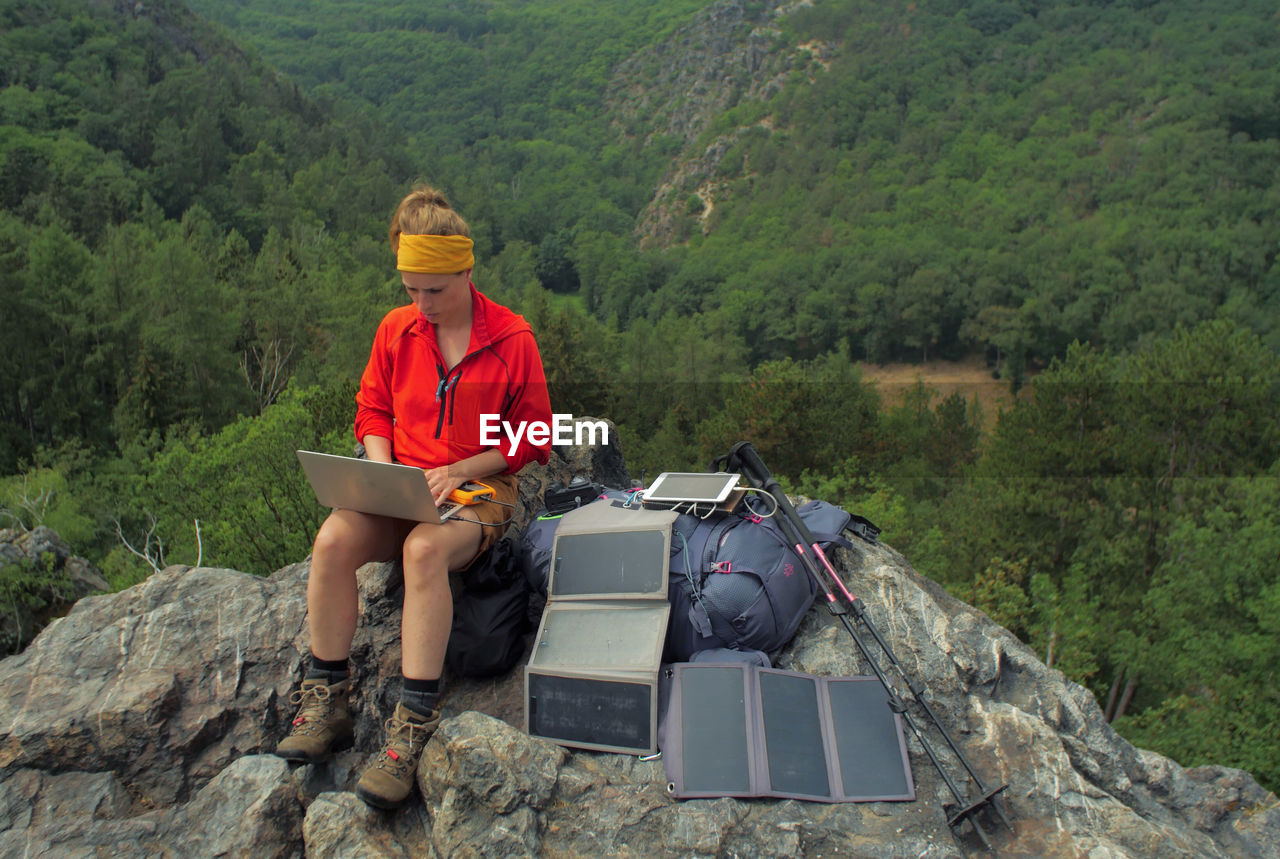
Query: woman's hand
column 446, row 478
column 443, row 482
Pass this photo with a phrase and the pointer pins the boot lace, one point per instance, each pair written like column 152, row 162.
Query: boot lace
column 314, row 706
column 405, row 741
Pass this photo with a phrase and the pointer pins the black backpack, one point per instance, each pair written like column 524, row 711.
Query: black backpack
column 490, row 615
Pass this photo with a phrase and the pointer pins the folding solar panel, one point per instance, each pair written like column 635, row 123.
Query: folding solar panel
column 592, row 678
column 742, row 730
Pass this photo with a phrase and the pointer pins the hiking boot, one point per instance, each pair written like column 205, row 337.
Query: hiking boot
column 323, row 721
column 389, row 779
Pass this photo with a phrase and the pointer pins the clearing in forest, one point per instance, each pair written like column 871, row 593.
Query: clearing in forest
column 971, row 377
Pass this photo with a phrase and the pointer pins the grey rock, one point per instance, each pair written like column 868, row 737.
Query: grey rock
column 485, row 785
column 9, row 553
column 251, row 808
column 681, row 84
column 85, row 578
column 730, row 53
column 503, row 768
column 164, row 684
column 139, row 725
column 340, row 826
column 33, row 798
column 77, row 837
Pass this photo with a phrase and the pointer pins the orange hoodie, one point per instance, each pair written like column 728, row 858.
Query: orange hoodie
column 432, row 413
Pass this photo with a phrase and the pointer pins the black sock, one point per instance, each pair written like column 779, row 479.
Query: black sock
column 331, row 671
column 420, row 696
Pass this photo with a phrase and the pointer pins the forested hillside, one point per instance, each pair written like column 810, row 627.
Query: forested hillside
column 917, row 180
column 1002, row 176
column 711, row 213
column 162, row 198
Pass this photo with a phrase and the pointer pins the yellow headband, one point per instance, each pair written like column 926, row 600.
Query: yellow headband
column 434, row 254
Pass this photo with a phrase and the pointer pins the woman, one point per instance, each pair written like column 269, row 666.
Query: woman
column 437, row 365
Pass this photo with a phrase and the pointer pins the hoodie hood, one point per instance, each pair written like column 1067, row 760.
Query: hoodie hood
column 490, row 322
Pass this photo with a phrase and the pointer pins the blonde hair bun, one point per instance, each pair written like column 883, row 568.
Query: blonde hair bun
column 425, row 212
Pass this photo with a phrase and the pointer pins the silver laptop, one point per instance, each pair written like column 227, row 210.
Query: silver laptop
column 384, row 488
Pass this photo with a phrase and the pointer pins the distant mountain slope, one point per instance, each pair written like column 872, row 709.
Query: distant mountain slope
column 935, row 177
column 912, row 179
column 161, row 194
column 164, row 104
column 503, row 98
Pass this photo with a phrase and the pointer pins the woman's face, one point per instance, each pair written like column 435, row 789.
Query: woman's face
column 444, row 299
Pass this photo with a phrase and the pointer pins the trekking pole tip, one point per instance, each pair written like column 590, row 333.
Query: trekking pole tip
column 972, row 810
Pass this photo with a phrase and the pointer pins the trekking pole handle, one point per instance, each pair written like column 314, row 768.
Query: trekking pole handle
column 743, row 455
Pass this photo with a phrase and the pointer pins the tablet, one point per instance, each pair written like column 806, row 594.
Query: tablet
column 681, row 486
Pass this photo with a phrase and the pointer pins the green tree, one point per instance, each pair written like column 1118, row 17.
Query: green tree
column 1212, row 643
column 1116, row 484
column 799, row 416
column 238, row 498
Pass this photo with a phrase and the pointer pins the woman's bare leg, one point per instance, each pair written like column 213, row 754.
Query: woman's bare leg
column 430, row 552
column 346, row 541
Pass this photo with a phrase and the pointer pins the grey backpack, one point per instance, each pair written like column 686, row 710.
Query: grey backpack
column 737, row 584
column 734, row 582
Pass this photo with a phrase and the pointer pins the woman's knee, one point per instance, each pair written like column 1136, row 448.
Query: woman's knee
column 423, row 546
column 425, row 557
column 349, row 539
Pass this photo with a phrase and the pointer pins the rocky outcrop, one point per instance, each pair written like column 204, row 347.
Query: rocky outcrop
column 53, row 579
column 141, row 724
column 729, row 54
column 678, row 86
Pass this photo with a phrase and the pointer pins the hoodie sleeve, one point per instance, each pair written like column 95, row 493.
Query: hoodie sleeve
column 527, row 398
column 374, row 415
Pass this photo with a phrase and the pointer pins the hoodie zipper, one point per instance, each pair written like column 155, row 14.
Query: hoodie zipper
column 448, row 382
column 446, row 388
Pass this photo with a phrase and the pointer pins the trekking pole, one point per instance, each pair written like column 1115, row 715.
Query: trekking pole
column 743, row 457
